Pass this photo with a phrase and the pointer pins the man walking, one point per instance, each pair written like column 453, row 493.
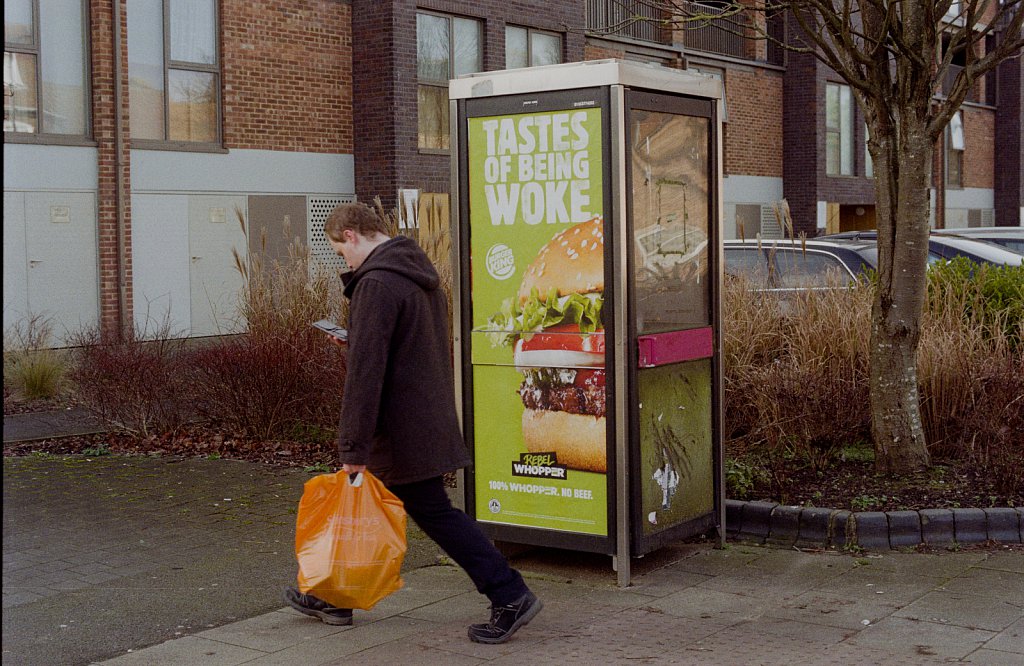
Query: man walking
column 398, row 414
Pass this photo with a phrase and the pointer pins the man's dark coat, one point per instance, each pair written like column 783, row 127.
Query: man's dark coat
column 398, row 413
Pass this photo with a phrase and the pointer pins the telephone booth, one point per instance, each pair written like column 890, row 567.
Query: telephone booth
column 587, row 234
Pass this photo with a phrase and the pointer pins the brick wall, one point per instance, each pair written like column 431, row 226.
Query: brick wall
column 979, row 147
column 287, row 75
column 385, row 92
column 592, row 52
column 1009, row 144
column 753, row 134
column 112, row 310
column 805, row 181
column 801, row 140
column 373, row 94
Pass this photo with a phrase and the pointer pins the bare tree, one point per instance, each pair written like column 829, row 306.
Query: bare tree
column 895, row 55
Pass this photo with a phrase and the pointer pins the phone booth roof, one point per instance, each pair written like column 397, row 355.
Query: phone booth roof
column 585, row 74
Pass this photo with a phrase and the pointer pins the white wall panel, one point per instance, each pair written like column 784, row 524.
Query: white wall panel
column 971, row 197
column 756, row 190
column 160, row 264
column 751, row 189
column 15, row 261
column 214, row 231
column 61, row 168
column 61, row 248
column 249, row 171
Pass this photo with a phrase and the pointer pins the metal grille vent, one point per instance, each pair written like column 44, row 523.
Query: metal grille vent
column 770, row 227
column 323, row 255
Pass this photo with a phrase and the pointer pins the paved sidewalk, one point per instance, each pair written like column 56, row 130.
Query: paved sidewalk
column 134, row 561
column 743, row 605
column 57, row 423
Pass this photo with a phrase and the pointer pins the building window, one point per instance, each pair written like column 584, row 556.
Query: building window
column 174, row 71
column 955, row 151
column 45, row 74
column 446, row 47
column 838, row 130
column 526, row 47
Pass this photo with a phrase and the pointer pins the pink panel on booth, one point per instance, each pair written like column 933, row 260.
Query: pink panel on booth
column 675, row 347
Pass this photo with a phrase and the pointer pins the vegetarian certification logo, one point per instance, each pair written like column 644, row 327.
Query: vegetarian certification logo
column 501, row 263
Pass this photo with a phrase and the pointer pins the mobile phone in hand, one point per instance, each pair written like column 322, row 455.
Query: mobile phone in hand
column 332, row 329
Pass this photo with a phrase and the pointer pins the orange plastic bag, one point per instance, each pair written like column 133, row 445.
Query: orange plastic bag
column 349, row 540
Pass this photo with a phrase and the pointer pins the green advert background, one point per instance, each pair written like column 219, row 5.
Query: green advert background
column 580, row 501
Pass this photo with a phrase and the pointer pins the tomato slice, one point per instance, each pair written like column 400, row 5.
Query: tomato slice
column 589, row 379
column 565, row 337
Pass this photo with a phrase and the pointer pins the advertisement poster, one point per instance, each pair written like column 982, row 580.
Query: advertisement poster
column 537, row 267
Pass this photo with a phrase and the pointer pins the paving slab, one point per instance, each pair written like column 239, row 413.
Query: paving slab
column 990, row 582
column 47, row 425
column 974, row 611
column 835, row 610
column 890, row 586
column 993, row 658
column 1010, row 639
column 905, row 637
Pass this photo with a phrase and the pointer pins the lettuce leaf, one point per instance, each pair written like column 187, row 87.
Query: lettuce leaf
column 534, row 315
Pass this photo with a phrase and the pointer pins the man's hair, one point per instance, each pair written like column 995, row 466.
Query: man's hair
column 355, row 216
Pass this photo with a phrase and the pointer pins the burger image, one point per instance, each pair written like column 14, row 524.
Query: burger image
column 554, row 325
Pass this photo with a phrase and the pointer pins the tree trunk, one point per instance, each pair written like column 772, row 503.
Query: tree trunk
column 902, row 161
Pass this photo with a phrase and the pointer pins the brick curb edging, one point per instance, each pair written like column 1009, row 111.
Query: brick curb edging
column 778, row 524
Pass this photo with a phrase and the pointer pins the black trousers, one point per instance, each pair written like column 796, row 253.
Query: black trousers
column 461, row 538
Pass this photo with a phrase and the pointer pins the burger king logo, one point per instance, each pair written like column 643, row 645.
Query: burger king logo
column 501, row 263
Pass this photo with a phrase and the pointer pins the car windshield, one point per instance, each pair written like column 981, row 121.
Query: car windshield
column 1015, row 244
column 980, row 249
column 797, row 268
column 747, row 262
column 869, row 255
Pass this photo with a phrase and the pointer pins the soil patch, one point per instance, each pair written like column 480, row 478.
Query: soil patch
column 854, row 485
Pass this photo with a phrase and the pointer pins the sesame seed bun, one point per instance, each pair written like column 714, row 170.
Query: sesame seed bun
column 572, row 262
column 578, row 440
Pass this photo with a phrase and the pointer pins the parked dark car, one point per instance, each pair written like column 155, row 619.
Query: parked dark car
column 1012, row 238
column 794, row 264
column 945, row 245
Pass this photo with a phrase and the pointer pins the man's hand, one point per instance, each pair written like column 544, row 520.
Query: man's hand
column 337, row 342
column 353, row 469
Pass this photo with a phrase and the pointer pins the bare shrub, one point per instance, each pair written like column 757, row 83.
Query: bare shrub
column 266, row 386
column 282, row 373
column 133, row 384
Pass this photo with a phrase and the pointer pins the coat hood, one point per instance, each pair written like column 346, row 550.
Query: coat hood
column 401, row 255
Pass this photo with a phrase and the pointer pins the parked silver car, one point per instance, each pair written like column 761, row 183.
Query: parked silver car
column 1012, row 238
column 798, row 265
column 947, row 245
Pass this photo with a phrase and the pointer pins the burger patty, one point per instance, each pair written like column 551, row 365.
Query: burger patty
column 587, row 400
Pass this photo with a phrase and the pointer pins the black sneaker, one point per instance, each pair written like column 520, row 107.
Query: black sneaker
column 307, row 604
column 506, row 620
